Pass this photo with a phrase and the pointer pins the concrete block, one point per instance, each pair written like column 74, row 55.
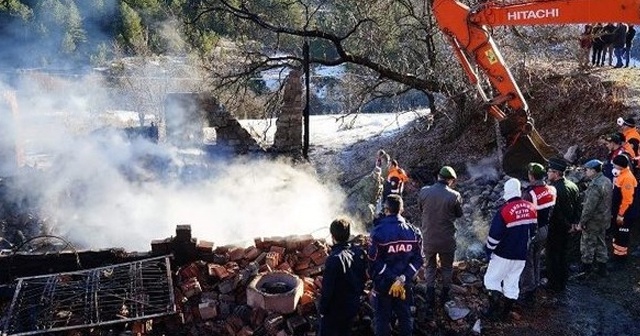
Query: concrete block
column 283, row 303
column 183, row 233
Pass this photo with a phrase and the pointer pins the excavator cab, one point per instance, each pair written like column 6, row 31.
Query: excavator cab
column 523, row 145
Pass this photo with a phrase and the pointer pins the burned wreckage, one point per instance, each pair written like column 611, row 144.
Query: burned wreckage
column 182, row 285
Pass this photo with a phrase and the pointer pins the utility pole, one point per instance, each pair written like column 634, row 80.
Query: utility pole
column 305, row 113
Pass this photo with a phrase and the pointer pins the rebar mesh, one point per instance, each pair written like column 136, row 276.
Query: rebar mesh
column 90, row 298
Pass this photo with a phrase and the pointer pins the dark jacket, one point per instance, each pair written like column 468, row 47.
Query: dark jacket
column 396, row 249
column 511, row 229
column 440, row 206
column 567, row 209
column 608, row 33
column 343, row 281
column 597, row 32
column 631, row 33
column 620, row 36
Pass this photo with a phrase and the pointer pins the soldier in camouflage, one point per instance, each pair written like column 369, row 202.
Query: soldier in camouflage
column 595, row 219
column 364, row 196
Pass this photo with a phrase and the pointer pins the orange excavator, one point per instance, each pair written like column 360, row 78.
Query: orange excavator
column 468, row 31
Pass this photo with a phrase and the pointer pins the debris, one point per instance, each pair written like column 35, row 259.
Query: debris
column 456, row 311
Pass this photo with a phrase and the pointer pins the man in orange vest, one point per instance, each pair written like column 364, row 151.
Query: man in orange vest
column 622, row 211
column 396, row 180
column 631, row 136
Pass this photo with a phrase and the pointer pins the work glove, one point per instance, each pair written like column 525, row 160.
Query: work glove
column 397, row 288
column 619, row 220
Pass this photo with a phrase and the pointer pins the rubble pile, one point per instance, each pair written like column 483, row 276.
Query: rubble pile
column 269, row 288
column 461, row 315
column 272, row 288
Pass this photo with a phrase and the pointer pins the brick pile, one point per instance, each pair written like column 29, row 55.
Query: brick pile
column 211, row 291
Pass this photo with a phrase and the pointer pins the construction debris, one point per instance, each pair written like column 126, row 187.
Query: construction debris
column 272, row 288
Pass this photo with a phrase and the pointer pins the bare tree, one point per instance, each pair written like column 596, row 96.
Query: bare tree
column 392, row 46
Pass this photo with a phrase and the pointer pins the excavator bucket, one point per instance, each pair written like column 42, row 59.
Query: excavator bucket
column 524, row 145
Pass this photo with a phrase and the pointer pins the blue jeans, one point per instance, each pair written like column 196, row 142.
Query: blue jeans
column 387, row 308
column 619, row 52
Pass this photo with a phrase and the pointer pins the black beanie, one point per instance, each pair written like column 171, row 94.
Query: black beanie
column 621, row 161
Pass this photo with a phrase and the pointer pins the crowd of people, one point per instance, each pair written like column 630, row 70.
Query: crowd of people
column 600, row 43
column 542, row 215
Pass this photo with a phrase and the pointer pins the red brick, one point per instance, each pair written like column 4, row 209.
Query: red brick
column 222, row 249
column 251, row 253
column 311, row 271
column 309, row 249
column 272, row 259
column 319, row 257
column 260, row 243
column 307, row 297
column 278, row 249
column 236, row 253
column 207, row 310
column 309, row 284
column 232, row 267
column 205, row 246
column 218, row 271
column 191, row 287
column 257, row 317
column 190, row 271
column 302, row 264
column 303, row 241
column 285, row 267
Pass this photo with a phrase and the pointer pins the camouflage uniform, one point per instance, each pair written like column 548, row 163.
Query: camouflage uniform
column 596, row 219
column 364, row 196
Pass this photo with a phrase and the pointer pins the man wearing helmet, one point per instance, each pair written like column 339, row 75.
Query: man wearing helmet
column 595, row 219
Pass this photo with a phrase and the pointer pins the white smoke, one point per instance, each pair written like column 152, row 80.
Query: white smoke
column 101, row 190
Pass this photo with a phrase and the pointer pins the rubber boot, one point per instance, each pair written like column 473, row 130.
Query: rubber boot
column 586, row 271
column 508, row 308
column 601, row 269
column 529, row 298
column 444, row 295
column 431, row 299
column 495, row 309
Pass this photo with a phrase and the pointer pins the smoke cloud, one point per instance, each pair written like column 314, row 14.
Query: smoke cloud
column 100, row 189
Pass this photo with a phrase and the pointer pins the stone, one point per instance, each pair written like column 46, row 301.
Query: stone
column 456, row 311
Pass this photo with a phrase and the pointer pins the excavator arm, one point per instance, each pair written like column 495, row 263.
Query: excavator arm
column 468, row 32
